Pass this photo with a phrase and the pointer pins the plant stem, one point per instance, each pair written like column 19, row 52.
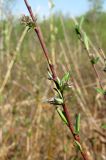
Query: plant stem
column 88, row 54
column 75, row 136
column 41, row 40
column 93, row 66
column 67, row 114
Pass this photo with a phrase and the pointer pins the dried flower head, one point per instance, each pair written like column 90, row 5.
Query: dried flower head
column 26, row 20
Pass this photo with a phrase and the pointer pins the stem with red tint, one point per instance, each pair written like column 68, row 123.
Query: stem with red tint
column 42, row 43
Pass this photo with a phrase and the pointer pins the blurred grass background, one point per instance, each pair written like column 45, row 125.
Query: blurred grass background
column 29, row 128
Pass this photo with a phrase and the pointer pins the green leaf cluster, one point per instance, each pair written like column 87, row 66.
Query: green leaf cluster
column 62, row 84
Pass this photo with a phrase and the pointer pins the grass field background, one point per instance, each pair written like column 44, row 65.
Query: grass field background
column 29, row 128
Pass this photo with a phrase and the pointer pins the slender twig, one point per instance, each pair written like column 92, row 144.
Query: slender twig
column 93, row 65
column 67, row 114
column 90, row 56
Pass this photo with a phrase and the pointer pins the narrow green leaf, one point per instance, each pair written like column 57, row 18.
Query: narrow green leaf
column 61, row 114
column 78, row 145
column 77, row 125
column 86, row 41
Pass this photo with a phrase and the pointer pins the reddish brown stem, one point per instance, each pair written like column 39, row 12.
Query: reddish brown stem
column 40, row 37
column 75, row 136
column 41, row 40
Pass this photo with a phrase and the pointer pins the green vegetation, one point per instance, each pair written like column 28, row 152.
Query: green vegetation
column 30, row 128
